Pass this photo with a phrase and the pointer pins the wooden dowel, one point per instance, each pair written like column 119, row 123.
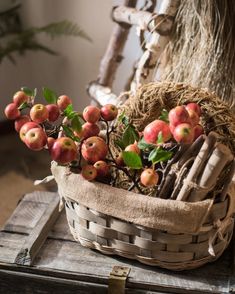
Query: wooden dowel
column 154, row 48
column 103, row 95
column 112, row 56
column 228, row 181
column 220, row 156
column 143, row 19
column 197, row 166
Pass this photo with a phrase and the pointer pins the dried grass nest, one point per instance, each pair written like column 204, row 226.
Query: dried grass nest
column 149, row 101
column 146, row 105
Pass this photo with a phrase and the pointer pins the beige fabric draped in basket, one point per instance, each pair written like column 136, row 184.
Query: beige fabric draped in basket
column 172, row 234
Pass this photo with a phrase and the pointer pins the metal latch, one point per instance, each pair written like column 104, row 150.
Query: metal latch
column 117, row 279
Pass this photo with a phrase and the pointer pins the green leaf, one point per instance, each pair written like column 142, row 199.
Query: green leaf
column 159, row 155
column 64, row 27
column 142, row 144
column 119, row 144
column 76, row 123
column 164, row 115
column 23, row 106
column 49, row 95
column 160, row 138
column 130, row 135
column 69, row 112
column 29, row 92
column 132, row 159
column 68, row 131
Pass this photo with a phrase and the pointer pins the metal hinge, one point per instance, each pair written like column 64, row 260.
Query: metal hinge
column 117, row 279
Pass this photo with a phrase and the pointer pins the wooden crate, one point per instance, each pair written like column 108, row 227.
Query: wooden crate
column 62, row 265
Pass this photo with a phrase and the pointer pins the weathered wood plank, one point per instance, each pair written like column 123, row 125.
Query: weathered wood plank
column 39, row 233
column 71, row 257
column 29, row 211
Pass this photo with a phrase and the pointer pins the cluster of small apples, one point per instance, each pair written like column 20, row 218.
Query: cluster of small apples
column 85, row 145
column 32, row 128
column 184, row 125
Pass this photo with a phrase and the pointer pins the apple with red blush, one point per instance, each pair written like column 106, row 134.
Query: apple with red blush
column 88, row 130
column 91, row 114
column 184, row 133
column 20, row 121
column 133, row 148
column 50, row 142
column 89, row 172
column 11, row 111
column 35, row 139
column 119, row 160
column 198, row 131
column 102, row 168
column 53, row 112
column 195, row 107
column 19, row 98
column 149, row 177
column 109, row 112
column 26, row 127
column 152, row 131
column 39, row 113
column 178, row 115
column 193, row 117
column 64, row 150
column 63, row 102
column 94, row 149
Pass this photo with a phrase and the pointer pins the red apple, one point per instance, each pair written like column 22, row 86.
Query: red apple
column 26, row 127
column 50, row 142
column 19, row 98
column 102, row 168
column 53, row 112
column 91, row 114
column 149, row 177
column 184, row 133
column 133, row 147
column 195, row 107
column 88, row 130
column 153, row 129
column 20, row 121
column 63, row 101
column 94, row 149
column 89, row 172
column 11, row 111
column 193, row 116
column 119, row 160
column 109, row 112
column 35, row 139
column 198, row 131
column 178, row 115
column 64, row 150
column 39, row 113
column 172, row 128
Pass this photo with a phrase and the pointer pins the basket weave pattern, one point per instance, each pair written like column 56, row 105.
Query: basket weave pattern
column 111, row 236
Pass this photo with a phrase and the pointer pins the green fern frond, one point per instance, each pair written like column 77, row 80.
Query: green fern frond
column 65, row 28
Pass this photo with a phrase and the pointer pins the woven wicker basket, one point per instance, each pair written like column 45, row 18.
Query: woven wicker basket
column 171, row 249
column 153, row 247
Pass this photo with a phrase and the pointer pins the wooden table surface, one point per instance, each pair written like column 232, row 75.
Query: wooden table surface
column 62, row 265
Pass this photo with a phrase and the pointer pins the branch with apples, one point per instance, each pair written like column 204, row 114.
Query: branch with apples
column 82, row 140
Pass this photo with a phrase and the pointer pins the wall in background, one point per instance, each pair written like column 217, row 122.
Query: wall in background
column 78, row 60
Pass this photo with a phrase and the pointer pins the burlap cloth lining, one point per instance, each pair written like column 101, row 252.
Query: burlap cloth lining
column 168, row 215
